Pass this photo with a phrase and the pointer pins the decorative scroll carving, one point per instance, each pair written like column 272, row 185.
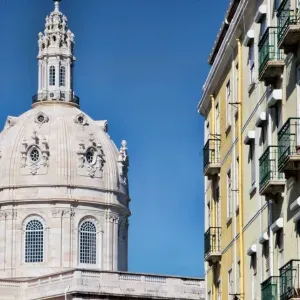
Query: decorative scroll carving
column 35, row 155
column 90, row 158
column 8, row 214
column 63, row 212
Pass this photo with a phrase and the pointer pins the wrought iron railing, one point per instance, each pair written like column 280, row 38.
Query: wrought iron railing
column 288, row 141
column 268, row 166
column 289, row 280
column 269, row 288
column 212, row 240
column 211, row 152
column 286, row 16
column 41, row 97
column 268, row 50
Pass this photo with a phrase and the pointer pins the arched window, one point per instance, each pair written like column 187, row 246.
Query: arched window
column 34, row 242
column 62, row 76
column 52, row 75
column 87, row 243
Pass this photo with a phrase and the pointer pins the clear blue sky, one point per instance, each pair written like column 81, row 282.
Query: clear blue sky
column 141, row 65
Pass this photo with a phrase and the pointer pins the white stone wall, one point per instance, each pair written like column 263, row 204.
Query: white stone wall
column 61, row 238
column 95, row 285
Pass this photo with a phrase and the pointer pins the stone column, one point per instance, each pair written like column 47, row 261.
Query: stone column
column 115, row 243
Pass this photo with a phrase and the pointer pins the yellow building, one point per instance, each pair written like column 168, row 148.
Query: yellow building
column 251, row 154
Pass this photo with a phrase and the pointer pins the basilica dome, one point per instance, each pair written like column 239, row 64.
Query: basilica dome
column 64, row 200
column 56, row 148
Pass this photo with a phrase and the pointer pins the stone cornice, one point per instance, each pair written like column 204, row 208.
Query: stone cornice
column 219, row 60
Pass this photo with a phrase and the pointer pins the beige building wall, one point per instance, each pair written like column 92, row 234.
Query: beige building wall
column 269, row 206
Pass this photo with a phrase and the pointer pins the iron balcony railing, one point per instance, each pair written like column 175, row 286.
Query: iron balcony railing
column 285, row 16
column 269, row 288
column 211, row 152
column 288, row 141
column 212, row 240
column 41, row 97
column 268, row 166
column 268, row 50
column 289, row 280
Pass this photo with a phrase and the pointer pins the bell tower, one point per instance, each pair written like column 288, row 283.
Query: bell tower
column 56, row 60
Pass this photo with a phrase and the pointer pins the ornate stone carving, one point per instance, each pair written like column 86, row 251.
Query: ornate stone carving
column 63, row 212
column 8, row 214
column 10, row 122
column 90, row 158
column 35, row 155
column 123, row 162
column 41, row 118
column 81, row 120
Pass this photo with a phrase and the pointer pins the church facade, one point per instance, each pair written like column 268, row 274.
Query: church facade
column 64, row 196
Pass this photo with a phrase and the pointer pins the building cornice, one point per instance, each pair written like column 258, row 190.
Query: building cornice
column 220, row 60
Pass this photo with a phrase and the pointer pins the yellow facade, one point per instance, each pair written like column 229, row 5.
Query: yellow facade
column 251, row 106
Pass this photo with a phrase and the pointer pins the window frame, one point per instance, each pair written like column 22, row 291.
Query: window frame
column 229, row 193
column 80, row 236
column 25, row 224
column 251, row 64
column 228, row 104
column 62, row 76
column 52, row 75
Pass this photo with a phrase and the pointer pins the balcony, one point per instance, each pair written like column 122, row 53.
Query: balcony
column 270, row 180
column 289, row 147
column 61, row 97
column 269, row 288
column 289, row 280
column 270, row 57
column 212, row 245
column 211, row 157
column 289, row 27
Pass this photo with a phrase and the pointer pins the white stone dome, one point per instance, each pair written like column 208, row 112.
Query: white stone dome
column 55, row 150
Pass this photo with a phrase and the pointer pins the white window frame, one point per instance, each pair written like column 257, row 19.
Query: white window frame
column 237, row 181
column 52, row 75
column 251, row 64
column 229, row 193
column 230, row 283
column 228, row 104
column 252, row 150
column 27, row 220
column 97, row 244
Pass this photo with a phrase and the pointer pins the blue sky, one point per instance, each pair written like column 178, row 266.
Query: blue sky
column 141, row 65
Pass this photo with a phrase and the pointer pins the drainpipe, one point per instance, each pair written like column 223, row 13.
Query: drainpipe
column 66, row 291
column 271, row 247
column 241, row 171
column 213, row 203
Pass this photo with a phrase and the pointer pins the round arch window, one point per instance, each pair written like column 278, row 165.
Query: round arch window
column 34, row 155
column 90, row 155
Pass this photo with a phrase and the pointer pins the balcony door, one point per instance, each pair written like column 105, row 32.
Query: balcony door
column 218, row 205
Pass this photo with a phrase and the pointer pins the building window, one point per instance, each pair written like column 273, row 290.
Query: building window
column 217, row 119
column 62, row 76
column 34, row 242
column 263, row 25
column 88, row 243
column 230, row 284
column 266, row 256
column 251, row 64
column 237, row 181
column 229, row 192
column 219, row 290
column 52, row 75
column 228, row 104
column 254, row 273
column 237, row 89
column 280, row 245
column 253, row 163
